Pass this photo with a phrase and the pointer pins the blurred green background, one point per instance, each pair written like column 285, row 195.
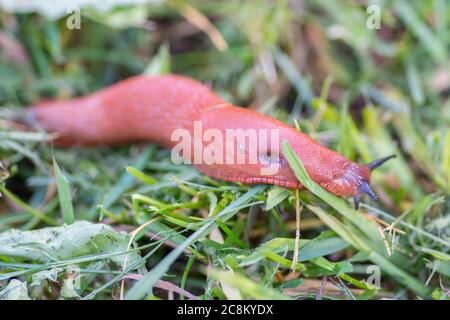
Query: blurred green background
column 364, row 84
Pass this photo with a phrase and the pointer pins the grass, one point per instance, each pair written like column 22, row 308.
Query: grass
column 161, row 230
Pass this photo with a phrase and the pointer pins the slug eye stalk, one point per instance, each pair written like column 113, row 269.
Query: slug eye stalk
column 364, row 187
column 378, row 162
column 357, row 200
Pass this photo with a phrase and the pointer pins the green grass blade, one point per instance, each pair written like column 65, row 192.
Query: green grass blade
column 140, row 175
column 64, row 195
column 249, row 287
column 146, row 283
column 126, row 180
column 417, row 26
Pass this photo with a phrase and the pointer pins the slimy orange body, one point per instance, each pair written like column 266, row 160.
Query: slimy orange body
column 144, row 108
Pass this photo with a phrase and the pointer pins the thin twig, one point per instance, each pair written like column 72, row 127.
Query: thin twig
column 322, row 288
column 298, row 210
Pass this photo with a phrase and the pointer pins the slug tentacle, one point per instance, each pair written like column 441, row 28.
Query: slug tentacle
column 378, row 162
column 363, row 185
column 365, row 188
column 357, row 200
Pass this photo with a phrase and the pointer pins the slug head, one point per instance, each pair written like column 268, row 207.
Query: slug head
column 332, row 171
column 356, row 180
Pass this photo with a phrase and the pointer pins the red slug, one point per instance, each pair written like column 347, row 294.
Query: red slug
column 144, row 108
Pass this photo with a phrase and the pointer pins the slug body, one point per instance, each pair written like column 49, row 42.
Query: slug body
column 144, row 108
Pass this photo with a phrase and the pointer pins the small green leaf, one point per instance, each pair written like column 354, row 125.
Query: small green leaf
column 140, row 175
column 68, row 241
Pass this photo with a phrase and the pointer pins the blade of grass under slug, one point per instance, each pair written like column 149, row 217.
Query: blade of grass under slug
column 143, row 286
column 64, row 195
column 362, row 224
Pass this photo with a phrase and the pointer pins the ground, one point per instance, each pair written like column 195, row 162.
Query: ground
column 366, row 82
